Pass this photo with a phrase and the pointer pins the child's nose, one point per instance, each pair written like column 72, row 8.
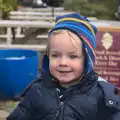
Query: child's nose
column 63, row 61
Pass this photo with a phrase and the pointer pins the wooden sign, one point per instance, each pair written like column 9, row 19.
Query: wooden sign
column 107, row 63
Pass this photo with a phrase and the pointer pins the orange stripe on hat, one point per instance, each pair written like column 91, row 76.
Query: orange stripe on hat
column 89, row 44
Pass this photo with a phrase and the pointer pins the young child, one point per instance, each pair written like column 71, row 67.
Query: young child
column 68, row 88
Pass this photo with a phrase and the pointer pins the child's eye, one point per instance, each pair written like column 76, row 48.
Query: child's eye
column 55, row 55
column 73, row 56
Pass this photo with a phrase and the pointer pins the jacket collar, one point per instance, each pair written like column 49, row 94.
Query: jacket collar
column 85, row 84
column 88, row 82
column 47, row 79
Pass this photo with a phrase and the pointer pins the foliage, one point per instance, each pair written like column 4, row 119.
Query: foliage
column 101, row 9
column 6, row 6
column 112, row 6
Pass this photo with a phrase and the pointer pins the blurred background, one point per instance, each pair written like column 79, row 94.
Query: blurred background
column 102, row 9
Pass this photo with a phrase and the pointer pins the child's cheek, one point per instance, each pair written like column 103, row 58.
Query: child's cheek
column 52, row 68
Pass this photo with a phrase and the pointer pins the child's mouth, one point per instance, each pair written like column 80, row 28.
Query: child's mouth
column 64, row 71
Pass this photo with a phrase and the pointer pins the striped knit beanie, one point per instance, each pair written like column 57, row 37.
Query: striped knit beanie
column 79, row 25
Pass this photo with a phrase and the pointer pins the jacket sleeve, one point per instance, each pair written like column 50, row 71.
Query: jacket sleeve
column 110, row 102
column 24, row 109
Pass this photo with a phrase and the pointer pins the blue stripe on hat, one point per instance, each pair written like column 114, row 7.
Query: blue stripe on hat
column 84, row 31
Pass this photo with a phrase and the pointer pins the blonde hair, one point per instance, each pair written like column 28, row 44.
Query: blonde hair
column 73, row 40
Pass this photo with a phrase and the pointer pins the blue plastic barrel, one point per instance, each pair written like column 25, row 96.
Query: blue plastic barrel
column 18, row 67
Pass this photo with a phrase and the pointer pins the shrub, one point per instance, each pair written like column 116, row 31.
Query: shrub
column 101, row 9
column 6, row 6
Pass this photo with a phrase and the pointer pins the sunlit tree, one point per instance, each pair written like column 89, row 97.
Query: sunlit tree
column 6, row 6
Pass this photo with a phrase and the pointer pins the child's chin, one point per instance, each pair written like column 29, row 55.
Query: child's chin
column 65, row 81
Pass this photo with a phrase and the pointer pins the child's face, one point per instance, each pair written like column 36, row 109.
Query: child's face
column 66, row 57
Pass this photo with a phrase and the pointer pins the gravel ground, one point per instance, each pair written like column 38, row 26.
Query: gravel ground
column 6, row 107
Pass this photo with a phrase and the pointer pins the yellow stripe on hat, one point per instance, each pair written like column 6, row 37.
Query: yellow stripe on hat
column 77, row 20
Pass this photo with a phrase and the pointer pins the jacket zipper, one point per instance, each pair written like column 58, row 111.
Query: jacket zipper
column 61, row 106
column 59, row 111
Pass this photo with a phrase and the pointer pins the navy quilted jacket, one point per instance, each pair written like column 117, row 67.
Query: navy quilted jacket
column 89, row 100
